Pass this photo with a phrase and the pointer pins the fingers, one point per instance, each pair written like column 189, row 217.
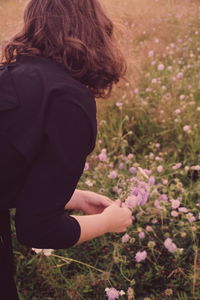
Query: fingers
column 107, row 202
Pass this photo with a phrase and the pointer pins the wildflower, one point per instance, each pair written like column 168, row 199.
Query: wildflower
column 121, row 165
column 183, row 234
column 131, row 201
column 136, row 91
column 161, row 67
column 171, row 247
column 165, row 181
column 132, row 170
column 119, row 104
column 152, row 181
column 151, row 53
column 160, row 169
column 112, row 174
column 125, row 238
column 168, row 292
column 179, row 75
column 46, row 252
column 163, row 197
column 89, row 182
column 177, row 166
column 130, row 293
column 141, row 235
column 177, row 111
column 196, row 168
column 182, row 97
column 151, row 244
column 149, row 228
column 122, row 293
column 191, row 218
column 158, row 158
column 175, row 203
column 87, row 166
column 174, row 213
column 141, row 193
column 169, row 68
column 187, row 128
column 103, row 155
column 154, row 80
column 140, row 256
column 112, row 293
column 147, row 172
column 130, row 156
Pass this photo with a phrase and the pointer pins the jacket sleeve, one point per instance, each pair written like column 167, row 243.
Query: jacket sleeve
column 41, row 220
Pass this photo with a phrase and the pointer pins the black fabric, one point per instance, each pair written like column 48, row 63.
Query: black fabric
column 46, row 134
column 7, row 284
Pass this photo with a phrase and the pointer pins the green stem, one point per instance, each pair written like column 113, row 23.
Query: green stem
column 77, row 261
column 122, row 273
column 195, row 271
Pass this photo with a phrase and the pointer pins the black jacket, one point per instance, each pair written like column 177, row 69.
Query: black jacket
column 47, row 129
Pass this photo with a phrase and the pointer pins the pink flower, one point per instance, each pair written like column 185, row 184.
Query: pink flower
column 154, row 80
column 141, row 235
column 103, row 155
column 163, row 197
column 165, row 181
column 177, row 111
column 186, row 128
column 140, row 256
column 182, row 97
column 191, row 218
column 112, row 174
column 151, row 53
column 131, row 201
column 152, row 181
column 132, row 170
column 177, row 166
column 160, row 169
column 121, row 165
column 171, row 247
column 125, row 238
column 179, row 75
column 112, row 293
column 183, row 209
column 149, row 228
column 174, row 213
column 175, row 203
column 196, row 168
column 87, row 166
column 161, row 67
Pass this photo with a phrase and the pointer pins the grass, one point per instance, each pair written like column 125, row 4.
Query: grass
column 151, row 124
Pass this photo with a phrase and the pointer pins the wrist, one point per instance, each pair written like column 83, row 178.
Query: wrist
column 105, row 220
column 75, row 203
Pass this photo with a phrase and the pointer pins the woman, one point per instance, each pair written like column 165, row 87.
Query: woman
column 52, row 70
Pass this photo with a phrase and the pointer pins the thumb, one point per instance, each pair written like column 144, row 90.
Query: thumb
column 118, row 202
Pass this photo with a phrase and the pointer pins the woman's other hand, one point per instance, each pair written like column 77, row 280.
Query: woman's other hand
column 93, row 203
column 88, row 202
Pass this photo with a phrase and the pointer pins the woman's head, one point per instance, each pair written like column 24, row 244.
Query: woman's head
column 76, row 33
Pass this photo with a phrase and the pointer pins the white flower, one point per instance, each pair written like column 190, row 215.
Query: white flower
column 46, row 252
column 161, row 67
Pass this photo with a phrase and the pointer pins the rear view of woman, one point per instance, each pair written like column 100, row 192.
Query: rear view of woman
column 52, row 71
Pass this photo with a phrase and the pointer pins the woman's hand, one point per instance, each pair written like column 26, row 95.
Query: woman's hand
column 93, row 203
column 88, row 202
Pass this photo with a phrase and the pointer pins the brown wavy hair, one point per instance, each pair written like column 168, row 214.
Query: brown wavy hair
column 76, row 33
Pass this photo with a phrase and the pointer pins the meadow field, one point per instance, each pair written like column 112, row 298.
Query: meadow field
column 147, row 154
